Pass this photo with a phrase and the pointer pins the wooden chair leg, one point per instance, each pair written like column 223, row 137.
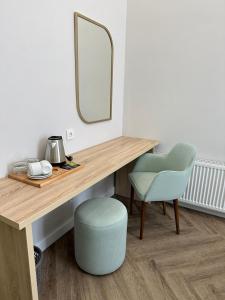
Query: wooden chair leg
column 143, row 206
column 164, row 207
column 131, row 199
column 176, row 212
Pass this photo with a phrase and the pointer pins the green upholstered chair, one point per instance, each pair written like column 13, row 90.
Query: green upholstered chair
column 163, row 178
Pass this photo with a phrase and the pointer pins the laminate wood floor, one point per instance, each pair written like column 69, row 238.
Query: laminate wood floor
column 161, row 266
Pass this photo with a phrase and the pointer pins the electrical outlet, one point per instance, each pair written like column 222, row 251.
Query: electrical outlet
column 70, row 134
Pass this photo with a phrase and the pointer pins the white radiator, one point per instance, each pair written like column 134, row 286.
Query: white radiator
column 206, row 187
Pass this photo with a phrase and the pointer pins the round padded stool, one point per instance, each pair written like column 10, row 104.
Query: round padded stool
column 100, row 229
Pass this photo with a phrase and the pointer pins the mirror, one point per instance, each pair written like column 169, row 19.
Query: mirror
column 94, row 70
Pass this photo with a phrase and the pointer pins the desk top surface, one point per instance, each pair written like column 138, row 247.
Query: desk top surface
column 22, row 204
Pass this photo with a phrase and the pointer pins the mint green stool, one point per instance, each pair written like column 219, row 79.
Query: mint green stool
column 100, row 228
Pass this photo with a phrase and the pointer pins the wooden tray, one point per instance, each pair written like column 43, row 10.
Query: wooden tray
column 57, row 174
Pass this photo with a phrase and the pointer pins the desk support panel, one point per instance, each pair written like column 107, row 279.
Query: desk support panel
column 17, row 265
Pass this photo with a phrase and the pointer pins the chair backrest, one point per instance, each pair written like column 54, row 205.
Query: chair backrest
column 181, row 157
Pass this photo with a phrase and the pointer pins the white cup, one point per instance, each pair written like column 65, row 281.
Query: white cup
column 34, row 168
column 39, row 168
column 46, row 167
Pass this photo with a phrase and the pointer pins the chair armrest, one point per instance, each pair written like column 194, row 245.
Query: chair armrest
column 150, row 163
column 168, row 185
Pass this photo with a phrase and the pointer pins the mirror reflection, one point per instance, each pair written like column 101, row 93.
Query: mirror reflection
column 94, row 60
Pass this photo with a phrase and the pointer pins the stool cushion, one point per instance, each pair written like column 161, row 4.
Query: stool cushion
column 101, row 212
column 100, row 235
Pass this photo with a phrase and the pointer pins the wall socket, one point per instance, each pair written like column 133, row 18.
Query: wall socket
column 70, row 134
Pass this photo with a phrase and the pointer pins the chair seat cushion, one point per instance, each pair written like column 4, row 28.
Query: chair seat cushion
column 141, row 182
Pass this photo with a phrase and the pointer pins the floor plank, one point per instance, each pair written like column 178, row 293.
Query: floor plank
column 163, row 266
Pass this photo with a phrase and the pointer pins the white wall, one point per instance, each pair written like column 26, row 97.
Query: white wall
column 37, row 90
column 175, row 73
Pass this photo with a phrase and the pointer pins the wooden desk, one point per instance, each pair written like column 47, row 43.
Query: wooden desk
column 21, row 205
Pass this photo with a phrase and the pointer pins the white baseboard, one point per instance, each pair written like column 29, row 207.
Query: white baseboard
column 55, row 235
column 62, row 229
column 202, row 209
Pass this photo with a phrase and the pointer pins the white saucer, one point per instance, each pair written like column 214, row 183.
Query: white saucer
column 36, row 177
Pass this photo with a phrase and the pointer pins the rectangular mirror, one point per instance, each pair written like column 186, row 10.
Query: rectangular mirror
column 94, row 70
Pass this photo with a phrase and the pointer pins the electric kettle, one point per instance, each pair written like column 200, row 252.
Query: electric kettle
column 55, row 152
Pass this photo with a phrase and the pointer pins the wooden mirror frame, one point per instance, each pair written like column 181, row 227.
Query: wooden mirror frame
column 76, row 16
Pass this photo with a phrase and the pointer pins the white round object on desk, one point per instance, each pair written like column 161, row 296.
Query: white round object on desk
column 34, row 168
column 39, row 168
column 46, row 167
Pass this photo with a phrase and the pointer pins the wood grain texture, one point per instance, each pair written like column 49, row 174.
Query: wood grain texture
column 57, row 174
column 164, row 266
column 142, row 219
column 123, row 186
column 20, row 204
column 164, row 207
column 176, row 213
column 17, row 266
column 131, row 199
